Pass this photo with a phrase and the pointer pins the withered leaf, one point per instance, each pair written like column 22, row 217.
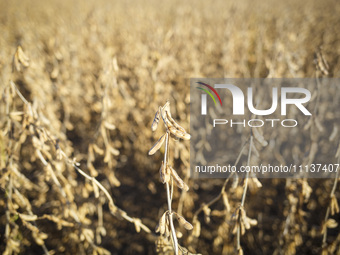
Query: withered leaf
column 157, row 145
column 161, row 227
column 183, row 221
column 179, row 133
column 164, row 173
column 155, row 121
column 180, row 183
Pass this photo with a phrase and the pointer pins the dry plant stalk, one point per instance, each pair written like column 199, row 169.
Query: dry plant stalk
column 30, row 120
column 168, row 176
column 69, row 78
column 242, row 222
column 332, row 209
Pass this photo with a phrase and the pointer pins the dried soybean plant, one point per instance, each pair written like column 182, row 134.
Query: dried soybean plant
column 238, row 222
column 332, row 209
column 27, row 127
column 168, row 176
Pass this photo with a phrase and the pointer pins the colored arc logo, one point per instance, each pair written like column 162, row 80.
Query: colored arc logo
column 207, row 91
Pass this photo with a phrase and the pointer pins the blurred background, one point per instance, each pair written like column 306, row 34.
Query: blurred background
column 94, row 73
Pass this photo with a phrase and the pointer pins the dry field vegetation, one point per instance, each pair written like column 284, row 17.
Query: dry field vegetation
column 80, row 82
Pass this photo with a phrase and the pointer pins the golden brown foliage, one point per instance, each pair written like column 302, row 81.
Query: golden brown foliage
column 80, row 82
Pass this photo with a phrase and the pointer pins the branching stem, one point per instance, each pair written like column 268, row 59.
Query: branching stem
column 169, row 197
